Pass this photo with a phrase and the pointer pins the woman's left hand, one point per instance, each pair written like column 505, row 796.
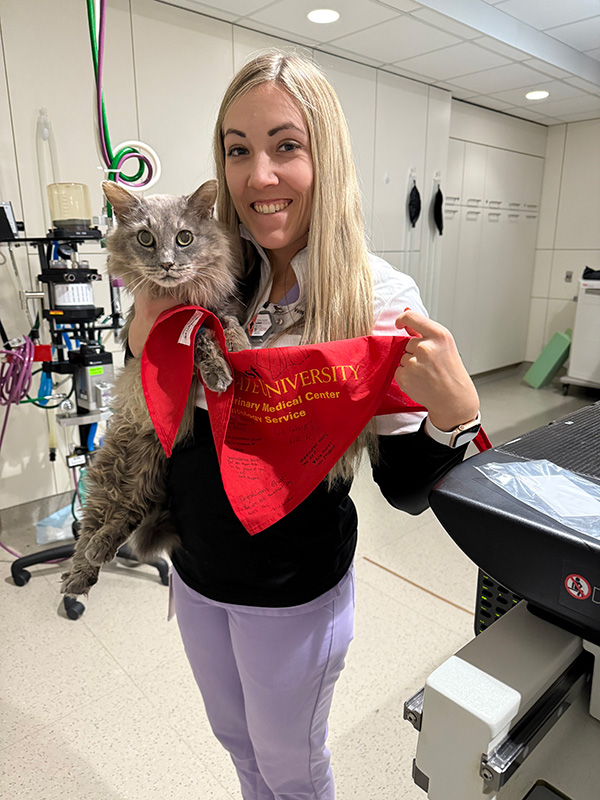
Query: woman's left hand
column 432, row 374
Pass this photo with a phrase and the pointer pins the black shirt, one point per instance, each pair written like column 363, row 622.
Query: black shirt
column 308, row 551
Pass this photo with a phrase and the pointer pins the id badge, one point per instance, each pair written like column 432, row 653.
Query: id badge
column 261, row 327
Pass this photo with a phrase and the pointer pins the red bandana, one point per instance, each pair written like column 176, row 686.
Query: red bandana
column 289, row 415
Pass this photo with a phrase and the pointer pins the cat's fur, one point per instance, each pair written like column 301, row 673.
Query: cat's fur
column 126, row 481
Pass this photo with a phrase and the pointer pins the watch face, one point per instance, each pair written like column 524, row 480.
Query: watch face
column 464, row 437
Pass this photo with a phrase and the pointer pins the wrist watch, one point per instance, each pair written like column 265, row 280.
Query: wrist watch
column 462, row 434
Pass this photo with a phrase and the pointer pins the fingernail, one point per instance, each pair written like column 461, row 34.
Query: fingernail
column 407, row 308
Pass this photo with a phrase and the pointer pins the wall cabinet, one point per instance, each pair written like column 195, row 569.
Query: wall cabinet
column 490, row 233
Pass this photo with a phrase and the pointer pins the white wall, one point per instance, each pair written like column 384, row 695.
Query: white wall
column 569, row 229
column 165, row 71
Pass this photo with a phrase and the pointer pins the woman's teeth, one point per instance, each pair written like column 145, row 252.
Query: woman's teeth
column 269, row 208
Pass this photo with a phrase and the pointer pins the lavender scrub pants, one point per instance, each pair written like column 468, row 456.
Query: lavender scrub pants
column 267, row 677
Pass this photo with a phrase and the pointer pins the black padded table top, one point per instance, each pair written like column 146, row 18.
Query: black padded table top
column 555, row 568
column 572, row 442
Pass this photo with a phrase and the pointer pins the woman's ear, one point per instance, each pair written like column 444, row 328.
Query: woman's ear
column 202, row 202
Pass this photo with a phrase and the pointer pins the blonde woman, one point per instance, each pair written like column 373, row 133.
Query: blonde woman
column 266, row 620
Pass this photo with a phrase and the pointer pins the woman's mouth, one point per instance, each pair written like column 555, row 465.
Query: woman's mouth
column 270, row 207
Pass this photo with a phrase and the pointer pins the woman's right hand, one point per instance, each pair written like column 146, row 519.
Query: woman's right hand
column 147, row 311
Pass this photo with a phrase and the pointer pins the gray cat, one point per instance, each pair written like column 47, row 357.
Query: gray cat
column 170, row 247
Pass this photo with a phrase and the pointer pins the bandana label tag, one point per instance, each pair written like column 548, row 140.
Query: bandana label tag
column 186, row 334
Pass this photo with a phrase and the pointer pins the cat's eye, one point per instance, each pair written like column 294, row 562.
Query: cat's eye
column 145, row 238
column 184, row 238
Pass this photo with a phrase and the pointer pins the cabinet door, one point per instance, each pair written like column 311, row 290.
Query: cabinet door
column 400, row 135
column 355, row 87
column 466, row 288
column 473, row 189
column 507, row 249
column 531, row 181
column 454, row 173
column 446, row 284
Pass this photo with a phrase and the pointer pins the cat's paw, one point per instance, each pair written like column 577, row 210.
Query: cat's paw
column 216, row 375
column 79, row 580
column 99, row 551
column 236, row 337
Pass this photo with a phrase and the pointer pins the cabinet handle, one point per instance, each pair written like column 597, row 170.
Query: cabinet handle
column 473, row 214
column 530, row 205
column 514, row 216
column 593, row 291
column 531, row 216
column 450, row 197
column 494, row 214
column 514, row 205
column 473, row 200
column 495, row 203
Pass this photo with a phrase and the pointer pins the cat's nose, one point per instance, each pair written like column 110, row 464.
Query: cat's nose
column 166, row 265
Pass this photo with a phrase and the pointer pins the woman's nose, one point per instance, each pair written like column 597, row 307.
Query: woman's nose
column 262, row 172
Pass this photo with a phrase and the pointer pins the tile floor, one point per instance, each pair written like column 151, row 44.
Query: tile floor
column 105, row 708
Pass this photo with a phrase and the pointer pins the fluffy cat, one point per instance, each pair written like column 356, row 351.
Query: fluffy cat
column 170, row 247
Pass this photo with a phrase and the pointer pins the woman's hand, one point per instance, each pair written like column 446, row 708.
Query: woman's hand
column 432, row 374
column 147, row 311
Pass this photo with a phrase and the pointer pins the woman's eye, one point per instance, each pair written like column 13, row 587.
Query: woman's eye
column 145, row 238
column 184, row 238
column 289, row 147
column 238, row 150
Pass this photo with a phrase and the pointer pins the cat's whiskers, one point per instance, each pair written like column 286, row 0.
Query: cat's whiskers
column 141, row 281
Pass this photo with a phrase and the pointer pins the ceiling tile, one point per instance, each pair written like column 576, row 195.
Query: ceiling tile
column 583, row 117
column 450, row 62
column 490, row 102
column 238, row 8
column 557, row 89
column 542, row 14
column 271, row 30
column 333, row 49
column 503, row 49
column 547, row 69
column 497, row 80
column 291, row 17
column 593, row 88
column 446, row 23
column 583, row 35
column 397, row 69
column 399, row 38
column 456, row 91
column 532, row 116
column 573, row 105
column 400, row 5
column 211, row 11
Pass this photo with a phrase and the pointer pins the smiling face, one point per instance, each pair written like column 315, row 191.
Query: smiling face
column 269, row 169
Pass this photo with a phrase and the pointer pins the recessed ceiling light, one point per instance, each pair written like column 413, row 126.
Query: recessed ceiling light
column 323, row 15
column 538, row 95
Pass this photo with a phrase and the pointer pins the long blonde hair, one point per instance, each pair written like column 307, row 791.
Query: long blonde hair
column 339, row 286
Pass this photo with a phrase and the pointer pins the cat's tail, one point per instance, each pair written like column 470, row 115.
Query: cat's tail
column 155, row 534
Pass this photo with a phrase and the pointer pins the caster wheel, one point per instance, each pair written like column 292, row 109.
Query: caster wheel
column 566, row 389
column 21, row 576
column 73, row 608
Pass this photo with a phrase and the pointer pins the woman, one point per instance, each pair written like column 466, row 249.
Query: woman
column 266, row 620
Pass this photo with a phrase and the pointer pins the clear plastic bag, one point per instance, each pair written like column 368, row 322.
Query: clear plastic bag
column 568, row 498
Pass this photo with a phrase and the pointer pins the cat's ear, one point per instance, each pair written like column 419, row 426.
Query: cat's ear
column 122, row 201
column 202, row 202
